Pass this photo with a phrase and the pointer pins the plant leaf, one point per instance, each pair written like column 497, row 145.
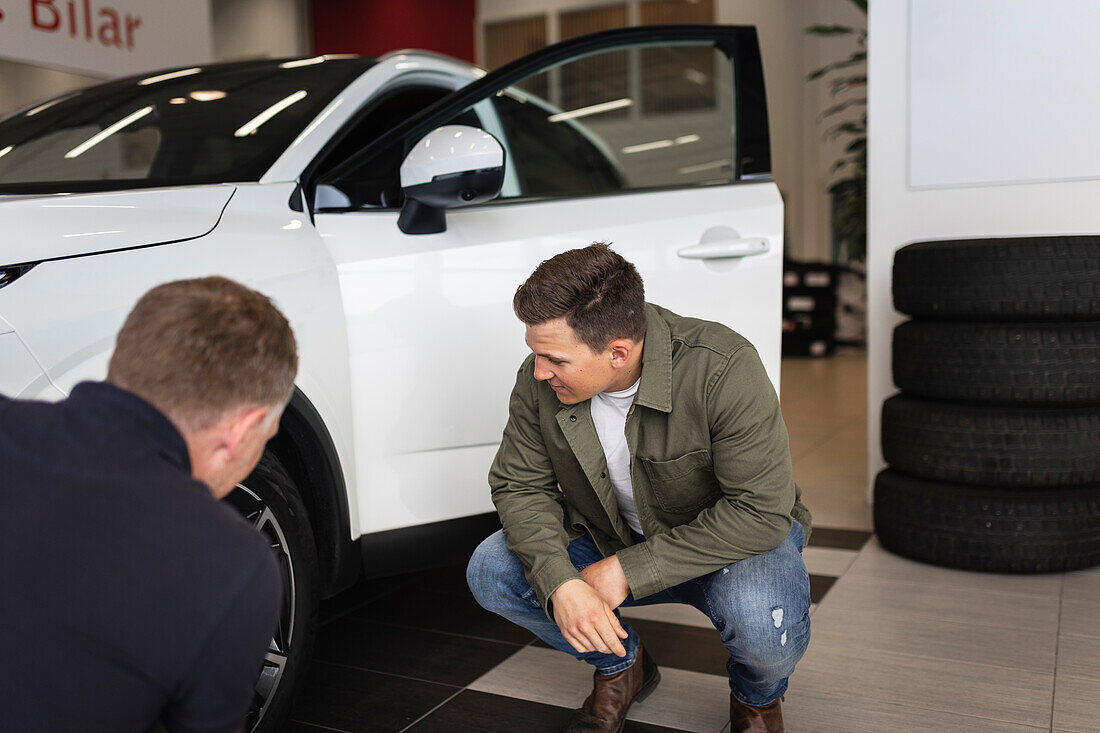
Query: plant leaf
column 846, row 83
column 829, row 30
column 830, row 111
column 855, row 59
column 847, row 128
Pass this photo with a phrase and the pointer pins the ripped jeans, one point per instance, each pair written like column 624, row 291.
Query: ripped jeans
column 760, row 607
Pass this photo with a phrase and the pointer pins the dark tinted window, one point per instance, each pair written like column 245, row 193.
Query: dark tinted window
column 552, row 159
column 224, row 122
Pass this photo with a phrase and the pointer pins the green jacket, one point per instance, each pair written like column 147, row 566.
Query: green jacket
column 710, row 464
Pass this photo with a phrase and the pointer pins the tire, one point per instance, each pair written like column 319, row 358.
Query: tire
column 1000, row 279
column 992, row 446
column 1027, row 363
column 993, row 530
column 269, row 499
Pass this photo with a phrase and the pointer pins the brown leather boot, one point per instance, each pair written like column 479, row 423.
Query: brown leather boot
column 755, row 718
column 612, row 695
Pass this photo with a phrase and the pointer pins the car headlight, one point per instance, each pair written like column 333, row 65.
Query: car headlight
column 10, row 273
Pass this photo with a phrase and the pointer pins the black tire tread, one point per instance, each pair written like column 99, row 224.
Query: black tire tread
column 991, row 530
column 1000, row 278
column 1004, row 363
column 992, row 445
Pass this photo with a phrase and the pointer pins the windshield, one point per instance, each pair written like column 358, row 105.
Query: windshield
column 212, row 124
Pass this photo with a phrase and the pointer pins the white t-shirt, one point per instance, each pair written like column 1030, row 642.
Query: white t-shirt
column 609, row 415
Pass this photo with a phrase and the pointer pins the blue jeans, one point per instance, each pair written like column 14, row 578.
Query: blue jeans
column 760, row 607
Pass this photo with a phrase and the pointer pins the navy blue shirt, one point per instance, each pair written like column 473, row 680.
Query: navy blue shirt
column 128, row 594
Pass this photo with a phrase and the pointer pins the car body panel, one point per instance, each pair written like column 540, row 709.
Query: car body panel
column 434, row 346
column 67, row 312
column 395, row 69
column 60, row 225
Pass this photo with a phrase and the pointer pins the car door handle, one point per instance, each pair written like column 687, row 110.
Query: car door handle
column 725, row 248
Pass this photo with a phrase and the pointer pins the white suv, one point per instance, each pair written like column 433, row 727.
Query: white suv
column 328, row 184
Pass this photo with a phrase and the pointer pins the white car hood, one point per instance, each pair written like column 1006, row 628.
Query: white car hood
column 37, row 228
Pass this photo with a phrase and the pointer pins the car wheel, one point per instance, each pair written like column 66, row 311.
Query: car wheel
column 1005, row 363
column 269, row 500
column 1019, row 278
column 1038, row 530
column 990, row 445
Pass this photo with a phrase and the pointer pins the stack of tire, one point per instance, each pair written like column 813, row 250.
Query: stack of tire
column 994, row 442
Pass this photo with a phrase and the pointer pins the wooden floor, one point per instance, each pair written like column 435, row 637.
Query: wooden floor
column 896, row 645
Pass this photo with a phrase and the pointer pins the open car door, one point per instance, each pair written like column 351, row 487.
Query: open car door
column 654, row 139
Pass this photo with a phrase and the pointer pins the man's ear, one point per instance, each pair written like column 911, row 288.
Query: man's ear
column 242, row 424
column 621, row 349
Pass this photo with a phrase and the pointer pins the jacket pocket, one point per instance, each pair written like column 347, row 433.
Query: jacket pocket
column 683, row 484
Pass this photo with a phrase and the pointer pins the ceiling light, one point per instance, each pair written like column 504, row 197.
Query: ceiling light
column 171, row 75
column 207, row 96
column 47, row 105
column 302, row 62
column 595, row 109
column 6, row 150
column 658, row 144
column 252, row 125
column 655, row 145
column 101, row 136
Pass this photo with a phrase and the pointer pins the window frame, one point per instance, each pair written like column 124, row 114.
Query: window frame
column 751, row 143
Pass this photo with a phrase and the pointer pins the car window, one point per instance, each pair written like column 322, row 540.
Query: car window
column 616, row 121
column 377, row 184
column 220, row 123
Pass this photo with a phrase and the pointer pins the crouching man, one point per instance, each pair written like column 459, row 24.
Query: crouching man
column 132, row 596
column 644, row 461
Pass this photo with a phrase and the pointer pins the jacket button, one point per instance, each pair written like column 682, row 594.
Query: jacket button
column 572, row 418
column 603, row 475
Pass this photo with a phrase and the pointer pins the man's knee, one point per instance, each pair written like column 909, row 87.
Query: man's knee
column 492, row 572
column 766, row 629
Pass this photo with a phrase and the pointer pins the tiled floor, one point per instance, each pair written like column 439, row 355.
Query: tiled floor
column 896, row 645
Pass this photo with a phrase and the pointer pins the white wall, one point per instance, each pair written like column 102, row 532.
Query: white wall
column 242, row 29
column 249, row 29
column 899, row 215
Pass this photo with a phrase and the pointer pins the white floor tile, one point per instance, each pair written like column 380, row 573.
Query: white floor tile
column 815, row 712
column 1079, row 656
column 849, row 671
column 672, row 613
column 827, row 560
column 876, row 561
column 1077, row 705
column 683, row 700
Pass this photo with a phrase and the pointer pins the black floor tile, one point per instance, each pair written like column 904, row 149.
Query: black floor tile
column 448, row 579
column 678, row 646
column 362, row 592
column 441, row 611
column 425, row 655
column 682, row 647
column 355, row 700
column 477, row 712
column 819, row 586
column 841, row 539
column 296, row 726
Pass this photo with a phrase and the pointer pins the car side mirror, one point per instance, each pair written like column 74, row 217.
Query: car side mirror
column 453, row 165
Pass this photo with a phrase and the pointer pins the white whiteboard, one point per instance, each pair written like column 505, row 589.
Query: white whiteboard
column 1003, row 91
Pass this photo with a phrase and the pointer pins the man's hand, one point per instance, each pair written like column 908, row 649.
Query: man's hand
column 609, row 580
column 585, row 620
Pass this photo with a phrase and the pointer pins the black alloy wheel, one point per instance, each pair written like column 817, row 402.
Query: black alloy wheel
column 268, row 499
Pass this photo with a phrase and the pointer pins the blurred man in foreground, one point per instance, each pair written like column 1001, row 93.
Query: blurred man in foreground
column 131, row 595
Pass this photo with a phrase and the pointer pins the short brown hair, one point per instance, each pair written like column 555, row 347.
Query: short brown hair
column 198, row 349
column 600, row 295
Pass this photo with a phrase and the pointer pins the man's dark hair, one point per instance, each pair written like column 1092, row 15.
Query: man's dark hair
column 600, row 295
column 198, row 349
